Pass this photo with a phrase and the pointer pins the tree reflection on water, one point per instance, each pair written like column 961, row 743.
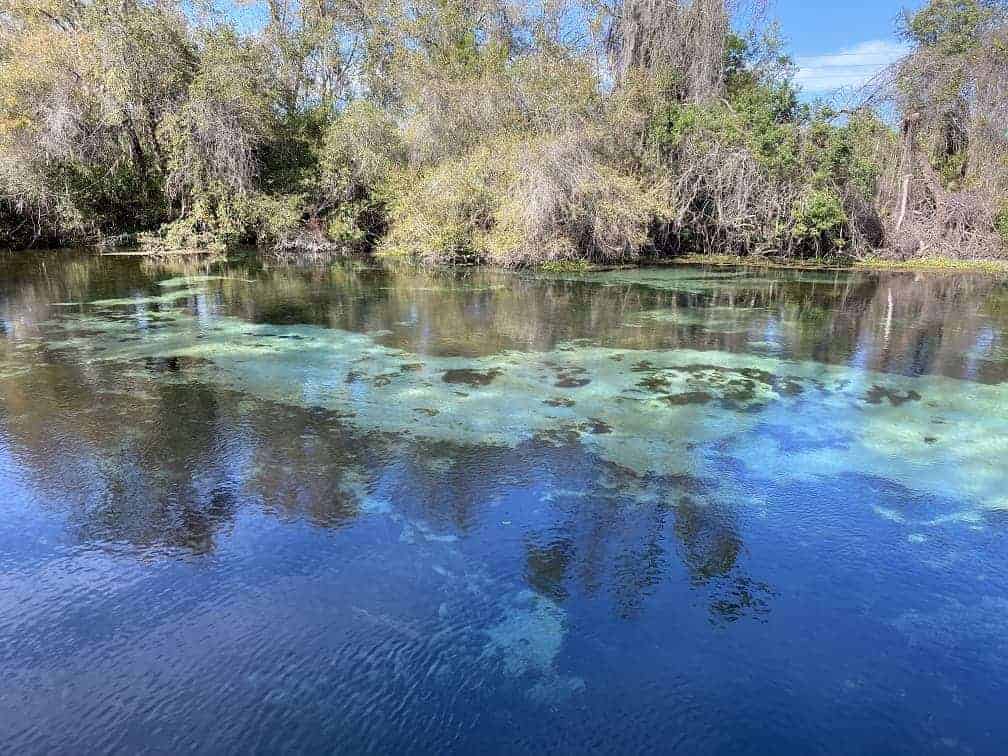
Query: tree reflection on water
column 151, row 458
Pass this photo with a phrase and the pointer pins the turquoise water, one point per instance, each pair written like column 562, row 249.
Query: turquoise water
column 247, row 508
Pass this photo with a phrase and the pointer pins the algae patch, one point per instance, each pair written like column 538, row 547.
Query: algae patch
column 471, row 378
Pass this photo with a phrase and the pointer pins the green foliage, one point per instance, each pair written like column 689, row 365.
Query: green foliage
column 951, row 168
column 953, row 26
column 186, row 233
column 443, row 214
column 846, row 155
column 819, row 220
column 1001, row 223
column 951, row 88
column 115, row 200
column 796, row 150
column 457, row 50
column 217, row 219
column 677, row 123
column 737, row 69
column 769, row 118
column 761, row 118
column 361, row 153
column 289, row 157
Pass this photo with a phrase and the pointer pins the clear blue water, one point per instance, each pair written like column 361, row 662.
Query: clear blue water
column 254, row 509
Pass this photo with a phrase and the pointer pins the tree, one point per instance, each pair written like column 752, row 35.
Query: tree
column 952, row 91
column 683, row 41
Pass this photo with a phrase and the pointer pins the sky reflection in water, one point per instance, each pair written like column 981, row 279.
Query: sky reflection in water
column 257, row 509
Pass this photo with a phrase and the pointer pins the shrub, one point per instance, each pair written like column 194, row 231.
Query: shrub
column 819, row 220
column 444, row 214
column 568, row 200
column 1001, row 222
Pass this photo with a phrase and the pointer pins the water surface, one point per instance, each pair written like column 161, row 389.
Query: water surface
column 254, row 509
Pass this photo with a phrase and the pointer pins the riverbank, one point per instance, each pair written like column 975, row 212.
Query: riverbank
column 989, row 266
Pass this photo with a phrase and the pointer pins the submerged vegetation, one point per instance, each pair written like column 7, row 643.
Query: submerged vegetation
column 450, row 131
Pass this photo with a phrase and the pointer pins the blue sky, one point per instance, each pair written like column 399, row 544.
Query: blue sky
column 839, row 45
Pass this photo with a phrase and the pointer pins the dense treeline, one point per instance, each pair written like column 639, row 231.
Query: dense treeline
column 484, row 130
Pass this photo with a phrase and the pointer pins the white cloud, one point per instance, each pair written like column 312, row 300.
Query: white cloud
column 847, row 68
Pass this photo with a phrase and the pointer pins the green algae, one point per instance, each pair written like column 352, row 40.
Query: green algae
column 650, row 411
column 190, row 281
column 666, row 279
column 715, row 319
column 689, row 397
column 569, row 381
column 562, row 401
column 691, row 280
column 166, row 299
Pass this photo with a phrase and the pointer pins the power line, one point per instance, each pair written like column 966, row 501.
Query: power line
column 896, row 53
column 845, row 66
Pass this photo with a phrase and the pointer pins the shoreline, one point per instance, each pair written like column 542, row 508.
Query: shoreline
column 990, row 266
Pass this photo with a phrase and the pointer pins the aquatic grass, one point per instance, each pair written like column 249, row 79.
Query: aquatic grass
column 781, row 262
column 993, row 267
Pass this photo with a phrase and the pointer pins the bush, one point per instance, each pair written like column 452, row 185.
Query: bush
column 1001, row 222
column 568, row 200
column 819, row 220
column 445, row 214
